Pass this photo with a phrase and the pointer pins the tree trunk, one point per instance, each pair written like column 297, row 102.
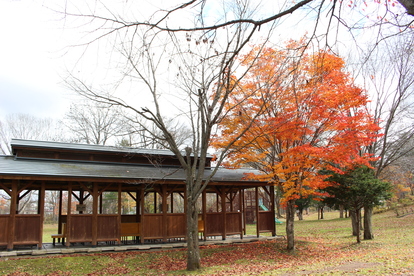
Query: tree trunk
column 368, row 234
column 320, row 212
column 341, row 211
column 290, row 219
column 355, row 223
column 358, row 224
column 193, row 249
column 300, row 214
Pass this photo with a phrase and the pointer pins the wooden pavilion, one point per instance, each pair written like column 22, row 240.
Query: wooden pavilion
column 153, row 180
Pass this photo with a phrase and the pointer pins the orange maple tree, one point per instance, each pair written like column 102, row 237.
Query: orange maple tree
column 314, row 118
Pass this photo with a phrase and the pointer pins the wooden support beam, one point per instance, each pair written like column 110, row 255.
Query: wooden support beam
column 5, row 189
column 60, row 211
column 12, row 219
column 138, row 210
column 272, row 208
column 95, row 196
column 164, row 212
column 101, row 204
column 172, row 202
column 25, row 187
column 69, row 216
column 256, row 195
column 132, row 196
column 243, row 206
column 204, row 208
column 266, row 190
column 141, row 225
column 240, row 209
column 119, row 211
column 80, row 200
column 41, row 211
column 82, row 184
column 22, row 196
column 155, row 202
column 224, row 212
column 104, row 189
column 77, row 197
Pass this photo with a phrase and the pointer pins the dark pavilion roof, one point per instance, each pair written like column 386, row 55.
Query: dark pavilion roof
column 49, row 145
column 21, row 166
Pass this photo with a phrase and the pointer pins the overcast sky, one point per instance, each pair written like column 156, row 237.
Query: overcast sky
column 32, row 55
column 30, row 60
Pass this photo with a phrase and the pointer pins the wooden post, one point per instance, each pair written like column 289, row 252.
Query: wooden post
column 101, row 203
column 172, row 202
column 256, row 191
column 95, row 196
column 69, row 216
column 223, row 210
column 81, row 197
column 138, row 209
column 41, row 211
column 164, row 224
column 204, row 207
column 12, row 219
column 155, row 202
column 142, row 201
column 60, row 211
column 241, row 213
column 119, row 212
column 231, row 201
column 243, row 204
column 272, row 208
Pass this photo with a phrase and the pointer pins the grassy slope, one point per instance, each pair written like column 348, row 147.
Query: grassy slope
column 324, row 247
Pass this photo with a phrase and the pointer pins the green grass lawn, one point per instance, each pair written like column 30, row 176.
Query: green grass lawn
column 48, row 230
column 324, row 247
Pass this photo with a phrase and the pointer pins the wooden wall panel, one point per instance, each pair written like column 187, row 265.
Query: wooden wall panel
column 152, row 226
column 80, row 229
column 108, row 228
column 234, row 223
column 214, row 224
column 4, row 226
column 176, row 225
column 27, row 230
column 266, row 221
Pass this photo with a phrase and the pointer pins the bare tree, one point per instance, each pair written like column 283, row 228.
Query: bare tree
column 144, row 134
column 94, row 123
column 389, row 77
column 24, row 126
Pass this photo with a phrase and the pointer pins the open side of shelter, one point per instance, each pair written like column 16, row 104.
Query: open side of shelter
column 82, row 174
